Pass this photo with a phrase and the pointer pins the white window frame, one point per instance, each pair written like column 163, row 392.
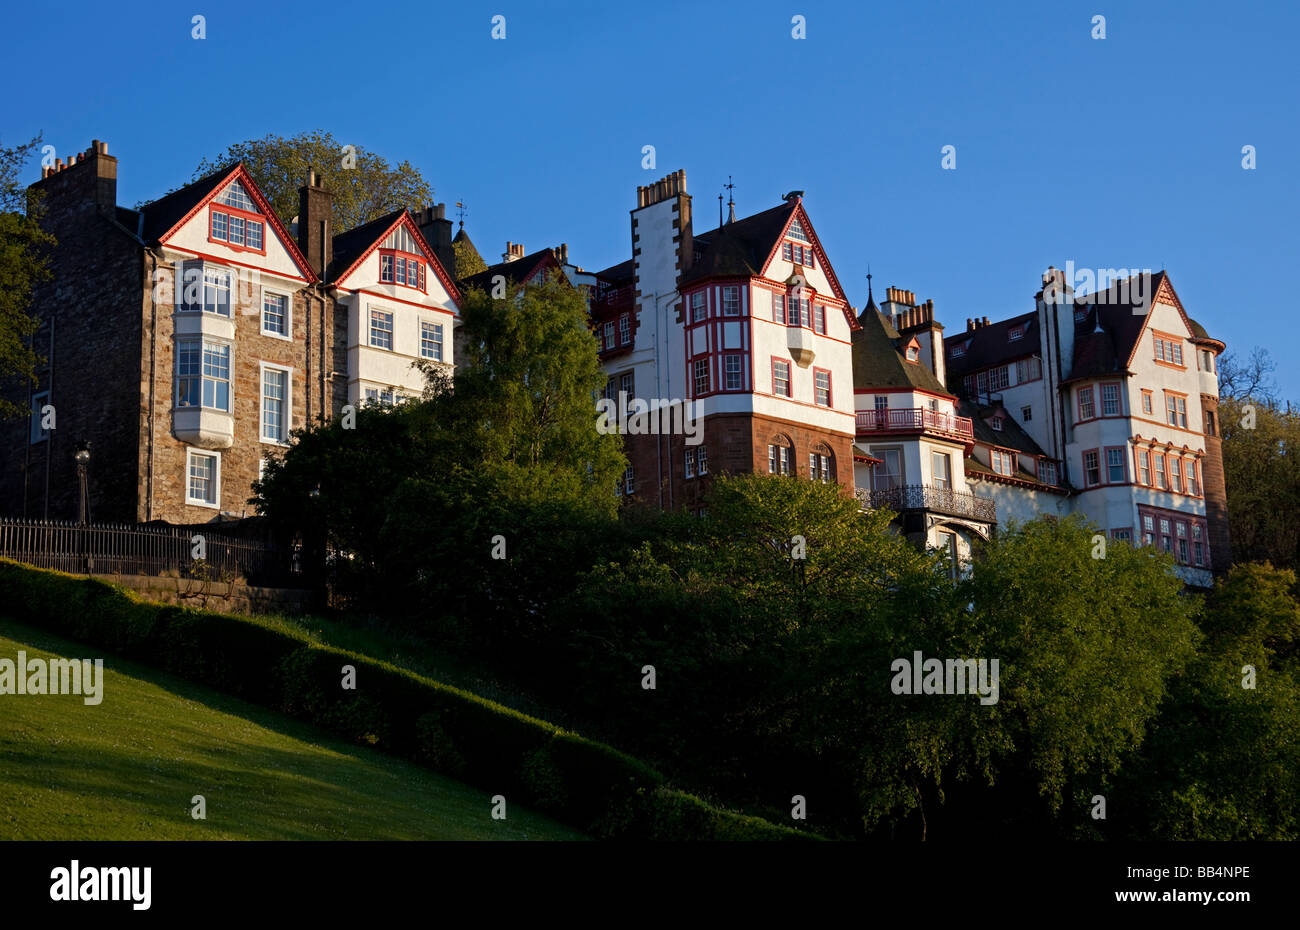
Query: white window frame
column 944, row 481
column 190, row 453
column 437, row 329
column 263, row 368
column 731, row 300
column 392, row 329
column 287, row 335
column 739, row 371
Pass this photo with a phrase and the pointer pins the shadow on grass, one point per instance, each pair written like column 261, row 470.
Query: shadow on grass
column 129, row 767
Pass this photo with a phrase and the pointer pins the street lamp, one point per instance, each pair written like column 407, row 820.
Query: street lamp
column 82, row 459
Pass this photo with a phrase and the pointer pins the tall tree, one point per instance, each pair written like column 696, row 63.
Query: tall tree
column 1261, row 469
column 365, row 186
column 24, row 262
column 1249, row 379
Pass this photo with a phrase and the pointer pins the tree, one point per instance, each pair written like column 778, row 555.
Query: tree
column 1261, row 466
column 24, row 263
column 365, row 186
column 522, row 402
column 468, row 261
column 1250, row 380
column 1089, row 648
column 1223, row 760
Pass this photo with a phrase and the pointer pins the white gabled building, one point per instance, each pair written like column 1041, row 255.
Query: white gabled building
column 400, row 305
column 1119, row 390
column 912, row 442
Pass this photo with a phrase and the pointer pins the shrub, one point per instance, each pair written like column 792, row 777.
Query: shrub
column 583, row 782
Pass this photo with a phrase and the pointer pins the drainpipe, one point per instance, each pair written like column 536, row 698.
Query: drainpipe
column 49, row 441
column 152, row 258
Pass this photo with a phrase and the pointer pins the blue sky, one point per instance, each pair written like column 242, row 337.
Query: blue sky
column 1117, row 153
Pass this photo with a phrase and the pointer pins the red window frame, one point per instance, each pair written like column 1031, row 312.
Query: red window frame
column 1096, row 454
column 830, row 396
column 1176, row 478
column 394, row 255
column 1123, row 463
column 1192, row 477
column 1159, row 471
column 1079, row 395
column 1119, row 399
column 789, row 377
column 708, row 375
column 246, row 216
column 1162, row 350
column 1142, row 475
column 1148, row 403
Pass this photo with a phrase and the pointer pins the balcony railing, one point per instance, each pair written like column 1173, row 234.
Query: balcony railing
column 913, row 420
column 926, row 497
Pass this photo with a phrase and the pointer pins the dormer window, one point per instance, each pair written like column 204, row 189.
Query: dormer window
column 401, row 260
column 799, row 254
column 996, row 423
column 958, row 350
column 913, row 354
column 234, row 220
column 1015, row 332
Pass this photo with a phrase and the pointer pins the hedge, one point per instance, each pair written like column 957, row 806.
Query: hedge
column 590, row 785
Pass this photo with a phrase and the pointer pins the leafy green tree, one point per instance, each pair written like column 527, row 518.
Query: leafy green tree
column 1261, row 465
column 521, row 407
column 24, row 263
column 468, row 261
column 1223, row 761
column 1088, row 649
column 365, row 186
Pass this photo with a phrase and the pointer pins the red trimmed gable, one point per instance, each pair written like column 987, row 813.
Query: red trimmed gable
column 405, row 220
column 826, row 268
column 240, row 173
column 1165, row 294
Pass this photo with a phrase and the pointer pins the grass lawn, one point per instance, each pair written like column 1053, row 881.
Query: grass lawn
column 127, row 769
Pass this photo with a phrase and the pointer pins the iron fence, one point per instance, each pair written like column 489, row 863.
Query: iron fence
column 146, row 549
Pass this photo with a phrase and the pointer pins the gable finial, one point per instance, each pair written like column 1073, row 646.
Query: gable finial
column 462, row 211
column 730, row 188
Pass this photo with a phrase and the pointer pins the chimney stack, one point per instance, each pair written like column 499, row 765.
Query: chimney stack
column 93, row 182
column 562, row 253
column 316, row 224
column 436, row 229
column 514, row 251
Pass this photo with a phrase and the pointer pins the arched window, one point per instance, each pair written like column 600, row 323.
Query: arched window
column 821, row 463
column 780, row 455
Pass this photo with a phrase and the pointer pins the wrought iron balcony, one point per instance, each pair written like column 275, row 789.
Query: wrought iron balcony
column 913, row 420
column 926, row 497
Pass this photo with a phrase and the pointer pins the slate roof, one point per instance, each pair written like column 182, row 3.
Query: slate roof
column 622, row 273
column 990, row 345
column 741, row 247
column 351, row 245
column 521, row 269
column 1011, row 436
column 878, row 359
column 165, row 212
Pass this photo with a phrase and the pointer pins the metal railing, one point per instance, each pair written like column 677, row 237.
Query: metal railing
column 928, row 497
column 913, row 420
column 144, row 549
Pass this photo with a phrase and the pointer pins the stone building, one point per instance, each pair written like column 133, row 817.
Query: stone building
column 185, row 340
